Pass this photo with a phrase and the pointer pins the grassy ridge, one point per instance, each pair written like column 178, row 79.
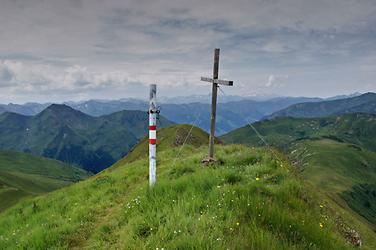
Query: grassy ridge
column 169, row 137
column 23, row 175
column 365, row 103
column 358, row 129
column 335, row 155
column 248, row 201
column 341, row 169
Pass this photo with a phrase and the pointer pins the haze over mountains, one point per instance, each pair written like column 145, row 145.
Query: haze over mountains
column 234, row 111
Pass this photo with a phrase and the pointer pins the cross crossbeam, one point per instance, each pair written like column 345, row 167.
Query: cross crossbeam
column 217, row 81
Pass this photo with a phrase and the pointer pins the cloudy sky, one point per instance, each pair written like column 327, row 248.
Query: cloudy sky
column 59, row 50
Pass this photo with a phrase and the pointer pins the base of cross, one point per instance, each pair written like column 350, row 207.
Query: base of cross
column 209, row 161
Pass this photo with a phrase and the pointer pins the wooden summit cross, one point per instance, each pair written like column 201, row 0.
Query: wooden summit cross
column 215, row 81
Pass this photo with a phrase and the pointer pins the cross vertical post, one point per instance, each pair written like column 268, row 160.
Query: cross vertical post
column 215, row 82
column 214, row 103
column 153, row 111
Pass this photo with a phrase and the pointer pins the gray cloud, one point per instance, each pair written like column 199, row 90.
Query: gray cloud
column 74, row 49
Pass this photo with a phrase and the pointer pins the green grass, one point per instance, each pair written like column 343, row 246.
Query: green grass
column 362, row 199
column 334, row 155
column 344, row 172
column 23, row 175
column 334, row 166
column 249, row 200
column 170, row 137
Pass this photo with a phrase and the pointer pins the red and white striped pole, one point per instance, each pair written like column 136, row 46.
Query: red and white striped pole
column 153, row 135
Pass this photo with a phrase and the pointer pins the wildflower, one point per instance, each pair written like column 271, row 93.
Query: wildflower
column 257, row 178
column 321, row 206
column 175, row 232
column 321, row 225
column 237, row 223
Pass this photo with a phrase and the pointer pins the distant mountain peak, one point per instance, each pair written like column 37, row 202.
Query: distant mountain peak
column 62, row 110
column 59, row 107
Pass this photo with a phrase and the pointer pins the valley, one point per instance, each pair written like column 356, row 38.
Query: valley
column 24, row 175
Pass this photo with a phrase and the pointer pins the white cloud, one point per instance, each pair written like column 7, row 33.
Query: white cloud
column 276, row 81
column 274, row 47
column 31, row 77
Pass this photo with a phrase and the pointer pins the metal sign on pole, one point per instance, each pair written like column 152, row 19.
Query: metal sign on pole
column 153, row 112
column 215, row 81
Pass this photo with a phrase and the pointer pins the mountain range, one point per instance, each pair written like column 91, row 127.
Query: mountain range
column 233, row 111
column 62, row 133
column 365, row 103
column 230, row 115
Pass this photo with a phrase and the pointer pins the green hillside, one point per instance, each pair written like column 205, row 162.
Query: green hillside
column 65, row 134
column 250, row 200
column 24, row 175
column 336, row 155
column 354, row 128
column 170, row 137
column 365, row 103
column 343, row 169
